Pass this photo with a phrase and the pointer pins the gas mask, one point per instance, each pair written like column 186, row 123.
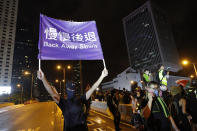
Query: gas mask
column 154, row 91
column 163, row 88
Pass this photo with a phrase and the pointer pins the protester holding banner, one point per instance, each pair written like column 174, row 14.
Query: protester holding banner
column 68, row 40
column 72, row 107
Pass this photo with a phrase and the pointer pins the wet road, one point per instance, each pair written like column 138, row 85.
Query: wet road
column 99, row 122
column 46, row 116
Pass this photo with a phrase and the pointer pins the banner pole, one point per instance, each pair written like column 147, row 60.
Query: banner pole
column 39, row 62
column 39, row 65
column 104, row 63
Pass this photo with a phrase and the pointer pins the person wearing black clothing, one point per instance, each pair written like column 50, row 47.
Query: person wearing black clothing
column 165, row 94
column 178, row 109
column 88, row 103
column 113, row 103
column 72, row 107
column 156, row 112
column 138, row 102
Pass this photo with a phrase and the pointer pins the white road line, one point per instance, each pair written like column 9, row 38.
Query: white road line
column 4, row 109
column 111, row 118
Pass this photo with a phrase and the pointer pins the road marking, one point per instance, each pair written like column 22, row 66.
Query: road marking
column 111, row 118
column 98, row 129
column 90, row 123
column 29, row 129
column 98, row 120
column 110, row 128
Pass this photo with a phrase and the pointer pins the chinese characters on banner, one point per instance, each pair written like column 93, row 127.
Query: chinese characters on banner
column 65, row 40
column 52, row 34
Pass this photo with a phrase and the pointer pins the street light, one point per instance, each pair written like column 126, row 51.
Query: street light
column 186, row 62
column 57, row 81
column 191, row 76
column 26, row 73
column 68, row 67
column 19, row 86
column 131, row 81
column 58, row 67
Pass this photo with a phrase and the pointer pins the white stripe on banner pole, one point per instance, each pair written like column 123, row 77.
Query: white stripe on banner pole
column 39, row 65
column 104, row 63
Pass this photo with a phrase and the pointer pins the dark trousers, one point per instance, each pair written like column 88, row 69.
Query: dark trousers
column 116, row 115
column 78, row 128
column 158, row 122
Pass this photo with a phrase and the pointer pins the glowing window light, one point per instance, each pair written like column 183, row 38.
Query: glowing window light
column 5, row 90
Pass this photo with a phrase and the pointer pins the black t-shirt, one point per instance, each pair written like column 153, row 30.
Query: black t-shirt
column 72, row 110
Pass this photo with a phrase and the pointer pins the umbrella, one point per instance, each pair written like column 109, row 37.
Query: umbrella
column 182, row 82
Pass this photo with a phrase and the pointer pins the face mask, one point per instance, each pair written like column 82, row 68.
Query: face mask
column 70, row 88
column 156, row 92
column 163, row 88
column 70, row 94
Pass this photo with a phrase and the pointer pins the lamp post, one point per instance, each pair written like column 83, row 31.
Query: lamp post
column 64, row 73
column 19, row 86
column 57, row 81
column 26, row 73
column 186, row 62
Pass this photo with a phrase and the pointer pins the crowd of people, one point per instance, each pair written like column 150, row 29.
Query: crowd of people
column 156, row 107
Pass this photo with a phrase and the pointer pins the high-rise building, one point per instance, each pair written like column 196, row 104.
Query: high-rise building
column 8, row 18
column 149, row 39
column 24, row 59
column 76, row 76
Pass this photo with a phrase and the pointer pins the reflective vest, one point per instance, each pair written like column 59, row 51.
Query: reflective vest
column 160, row 106
column 162, row 78
column 146, row 77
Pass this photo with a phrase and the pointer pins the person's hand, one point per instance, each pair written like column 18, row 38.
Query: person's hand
column 167, row 76
column 150, row 96
column 104, row 72
column 189, row 118
column 40, row 75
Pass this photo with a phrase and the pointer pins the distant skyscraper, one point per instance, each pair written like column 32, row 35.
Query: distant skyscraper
column 149, row 39
column 24, row 58
column 76, row 76
column 8, row 18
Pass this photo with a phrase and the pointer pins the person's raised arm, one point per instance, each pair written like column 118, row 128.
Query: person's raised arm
column 51, row 90
column 183, row 104
column 96, row 84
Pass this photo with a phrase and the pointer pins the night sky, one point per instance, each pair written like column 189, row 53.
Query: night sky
column 108, row 15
